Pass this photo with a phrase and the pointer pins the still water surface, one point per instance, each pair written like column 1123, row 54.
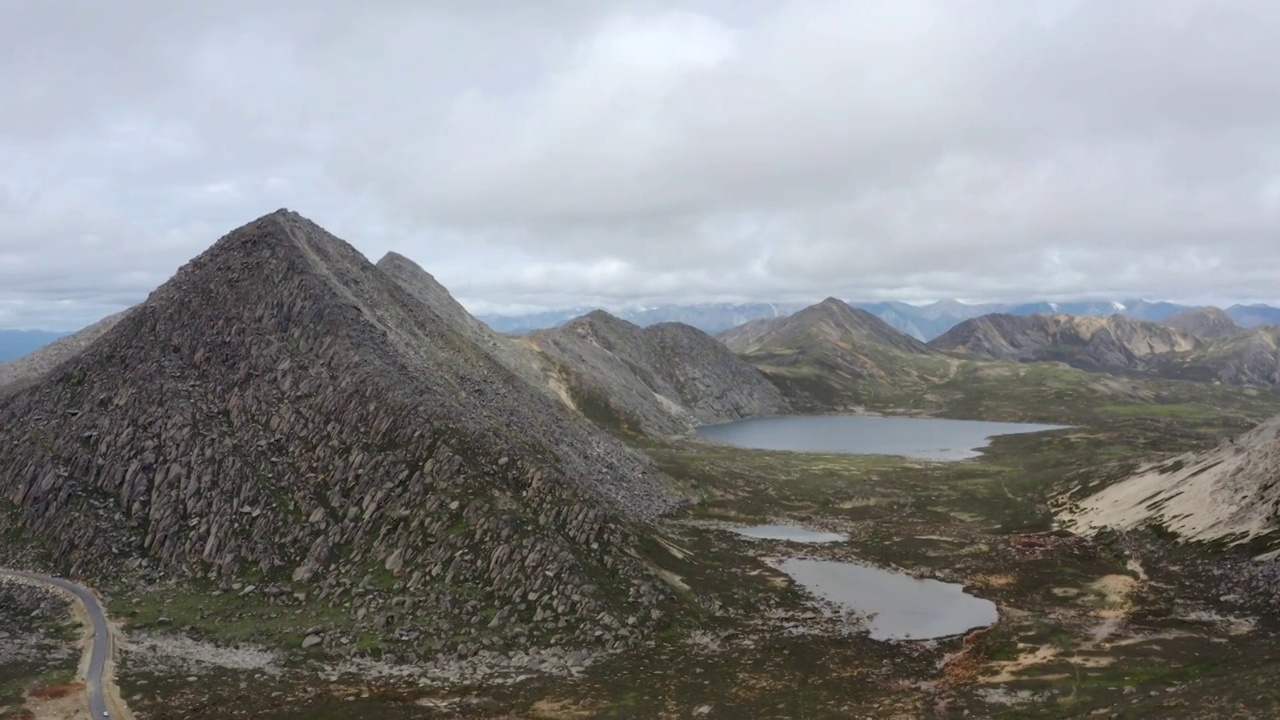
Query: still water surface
column 916, row 437
column 897, row 606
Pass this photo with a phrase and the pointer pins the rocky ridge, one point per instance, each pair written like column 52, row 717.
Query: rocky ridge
column 663, row 379
column 1088, row 343
column 24, row 370
column 514, row 355
column 282, row 410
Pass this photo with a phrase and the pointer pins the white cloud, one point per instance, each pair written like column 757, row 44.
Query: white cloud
column 565, row 152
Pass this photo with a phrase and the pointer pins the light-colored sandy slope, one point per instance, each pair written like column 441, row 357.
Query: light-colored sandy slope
column 31, row 366
column 1231, row 492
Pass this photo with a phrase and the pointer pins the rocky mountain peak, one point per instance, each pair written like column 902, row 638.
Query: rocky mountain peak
column 835, row 320
column 283, row 408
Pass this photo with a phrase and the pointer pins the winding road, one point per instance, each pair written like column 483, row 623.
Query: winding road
column 100, row 651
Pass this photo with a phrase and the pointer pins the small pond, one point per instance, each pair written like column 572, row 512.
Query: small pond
column 897, row 606
column 790, row 533
column 916, row 437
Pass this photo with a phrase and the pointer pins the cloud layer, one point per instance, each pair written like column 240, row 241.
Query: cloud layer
column 587, row 152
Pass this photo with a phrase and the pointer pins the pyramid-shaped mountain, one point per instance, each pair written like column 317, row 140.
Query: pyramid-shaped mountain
column 834, row 356
column 282, row 409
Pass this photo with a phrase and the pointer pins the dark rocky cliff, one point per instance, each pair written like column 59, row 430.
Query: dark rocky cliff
column 281, row 410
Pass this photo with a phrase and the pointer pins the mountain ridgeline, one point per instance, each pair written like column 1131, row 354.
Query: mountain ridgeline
column 834, row 356
column 1201, row 345
column 1089, row 343
column 26, row 369
column 664, row 379
column 282, row 409
column 923, row 322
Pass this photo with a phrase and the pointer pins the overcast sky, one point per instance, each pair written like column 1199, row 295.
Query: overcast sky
column 563, row 152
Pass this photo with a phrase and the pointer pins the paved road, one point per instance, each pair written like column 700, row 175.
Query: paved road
column 101, row 636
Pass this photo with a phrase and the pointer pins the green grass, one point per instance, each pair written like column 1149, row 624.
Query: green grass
column 228, row 618
column 1192, row 411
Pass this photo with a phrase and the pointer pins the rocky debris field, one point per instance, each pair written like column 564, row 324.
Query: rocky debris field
column 36, row 625
column 39, row 651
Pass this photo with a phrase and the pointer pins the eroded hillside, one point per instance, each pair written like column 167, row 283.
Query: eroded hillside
column 1231, row 492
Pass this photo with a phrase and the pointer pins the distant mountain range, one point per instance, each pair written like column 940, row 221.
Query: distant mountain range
column 923, row 322
column 708, row 317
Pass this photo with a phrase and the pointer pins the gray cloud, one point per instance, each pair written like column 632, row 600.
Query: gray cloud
column 556, row 153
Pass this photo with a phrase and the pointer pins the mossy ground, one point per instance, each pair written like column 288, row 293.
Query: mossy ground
column 21, row 675
column 1129, row 627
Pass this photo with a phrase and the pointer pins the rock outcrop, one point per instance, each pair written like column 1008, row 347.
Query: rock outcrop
column 834, row 356
column 28, row 368
column 1229, row 493
column 1206, row 323
column 282, row 409
column 664, row 379
column 1089, row 343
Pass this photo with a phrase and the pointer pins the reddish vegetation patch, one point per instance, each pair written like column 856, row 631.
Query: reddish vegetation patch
column 54, row 692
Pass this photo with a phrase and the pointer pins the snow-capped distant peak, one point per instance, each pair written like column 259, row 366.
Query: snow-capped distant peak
column 1053, row 306
column 1118, row 306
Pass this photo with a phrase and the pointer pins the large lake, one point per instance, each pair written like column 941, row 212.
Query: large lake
column 917, row 437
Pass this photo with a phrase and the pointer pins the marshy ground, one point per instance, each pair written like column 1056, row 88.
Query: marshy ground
column 1127, row 627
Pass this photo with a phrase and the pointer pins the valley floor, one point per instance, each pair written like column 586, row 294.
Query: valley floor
column 1127, row 627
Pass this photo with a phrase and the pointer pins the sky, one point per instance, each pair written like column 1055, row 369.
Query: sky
column 573, row 152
